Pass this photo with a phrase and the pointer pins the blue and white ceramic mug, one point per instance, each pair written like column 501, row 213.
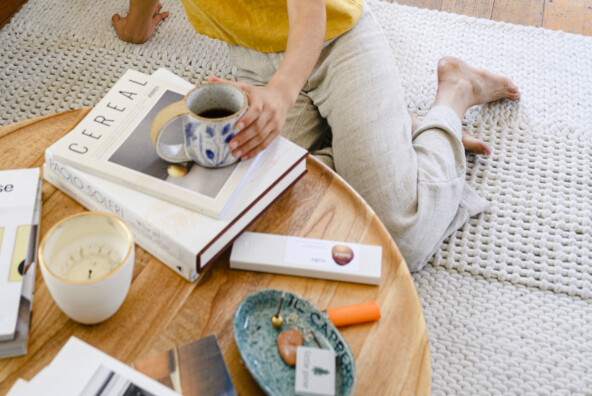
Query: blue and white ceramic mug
column 210, row 112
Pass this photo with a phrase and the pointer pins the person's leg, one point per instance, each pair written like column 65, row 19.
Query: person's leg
column 470, row 143
column 413, row 180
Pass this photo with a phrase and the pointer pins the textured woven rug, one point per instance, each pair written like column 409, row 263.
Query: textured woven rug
column 508, row 298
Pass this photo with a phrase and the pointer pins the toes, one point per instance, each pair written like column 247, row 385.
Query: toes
column 485, row 149
column 511, row 88
column 513, row 93
column 480, row 148
column 474, row 145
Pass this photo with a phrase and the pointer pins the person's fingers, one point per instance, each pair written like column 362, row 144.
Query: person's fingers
column 118, row 26
column 268, row 139
column 251, row 115
column 159, row 17
column 213, row 78
column 252, row 139
column 258, row 144
column 249, row 149
column 245, row 87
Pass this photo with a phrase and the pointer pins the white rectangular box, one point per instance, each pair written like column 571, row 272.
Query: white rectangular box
column 315, row 372
column 315, row 258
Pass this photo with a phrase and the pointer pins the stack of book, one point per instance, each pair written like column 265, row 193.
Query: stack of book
column 108, row 163
column 20, row 213
column 194, row 369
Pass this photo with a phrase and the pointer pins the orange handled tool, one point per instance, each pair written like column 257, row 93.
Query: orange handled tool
column 352, row 314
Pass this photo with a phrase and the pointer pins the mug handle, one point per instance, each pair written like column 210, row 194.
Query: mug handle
column 173, row 152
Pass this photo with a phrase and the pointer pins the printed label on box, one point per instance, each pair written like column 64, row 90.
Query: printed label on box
column 315, row 372
column 321, row 254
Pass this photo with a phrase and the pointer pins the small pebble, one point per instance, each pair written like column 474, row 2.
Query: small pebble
column 287, row 342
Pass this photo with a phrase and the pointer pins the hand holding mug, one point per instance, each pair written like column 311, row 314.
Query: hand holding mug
column 210, row 113
column 264, row 119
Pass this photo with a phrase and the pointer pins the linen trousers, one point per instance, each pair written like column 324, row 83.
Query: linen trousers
column 351, row 114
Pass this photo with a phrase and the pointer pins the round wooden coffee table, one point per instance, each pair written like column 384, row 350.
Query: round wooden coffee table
column 163, row 309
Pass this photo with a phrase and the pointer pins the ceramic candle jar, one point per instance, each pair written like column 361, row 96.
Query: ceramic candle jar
column 87, row 262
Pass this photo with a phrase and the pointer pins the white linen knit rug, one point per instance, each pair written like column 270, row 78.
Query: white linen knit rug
column 508, row 298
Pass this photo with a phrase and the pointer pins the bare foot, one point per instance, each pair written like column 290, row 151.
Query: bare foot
column 470, row 143
column 461, row 86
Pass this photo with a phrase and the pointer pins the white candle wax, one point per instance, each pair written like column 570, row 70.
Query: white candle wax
column 89, row 257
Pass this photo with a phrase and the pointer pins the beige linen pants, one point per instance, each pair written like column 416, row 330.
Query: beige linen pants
column 352, row 115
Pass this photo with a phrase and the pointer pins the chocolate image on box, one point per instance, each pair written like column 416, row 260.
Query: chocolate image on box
column 342, row 254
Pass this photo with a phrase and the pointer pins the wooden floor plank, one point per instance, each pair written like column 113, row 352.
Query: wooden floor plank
column 573, row 16
column 429, row 4
column 477, row 8
column 520, row 12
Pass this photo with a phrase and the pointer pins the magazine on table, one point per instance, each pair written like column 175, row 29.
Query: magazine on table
column 113, row 142
column 17, row 346
column 19, row 198
column 80, row 369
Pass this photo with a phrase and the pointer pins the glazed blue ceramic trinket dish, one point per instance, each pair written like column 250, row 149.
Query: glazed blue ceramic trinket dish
column 256, row 340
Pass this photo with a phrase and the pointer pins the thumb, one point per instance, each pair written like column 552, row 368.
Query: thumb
column 213, row 78
column 240, row 85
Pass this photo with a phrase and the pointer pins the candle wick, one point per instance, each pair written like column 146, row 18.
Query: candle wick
column 89, row 273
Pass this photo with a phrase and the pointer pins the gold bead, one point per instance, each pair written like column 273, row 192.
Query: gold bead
column 277, row 321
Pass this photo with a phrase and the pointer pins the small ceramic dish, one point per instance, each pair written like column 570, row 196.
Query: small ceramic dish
column 256, row 340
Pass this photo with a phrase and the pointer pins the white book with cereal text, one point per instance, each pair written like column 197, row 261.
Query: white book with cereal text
column 113, row 142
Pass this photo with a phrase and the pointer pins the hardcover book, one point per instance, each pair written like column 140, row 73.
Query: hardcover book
column 113, row 142
column 193, row 369
column 19, row 198
column 184, row 240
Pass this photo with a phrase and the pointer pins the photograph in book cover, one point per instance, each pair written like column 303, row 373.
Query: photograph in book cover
column 106, row 382
column 137, row 152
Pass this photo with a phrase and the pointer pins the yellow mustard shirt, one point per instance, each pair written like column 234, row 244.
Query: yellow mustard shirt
column 262, row 25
